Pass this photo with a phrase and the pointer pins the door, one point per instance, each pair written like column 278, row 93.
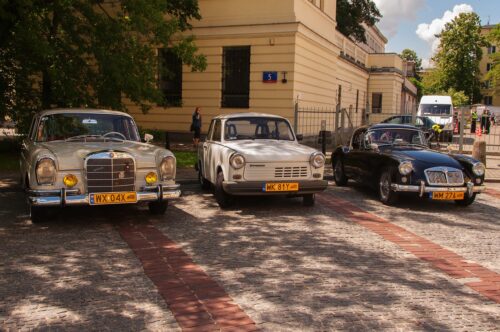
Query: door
column 210, row 147
column 351, row 158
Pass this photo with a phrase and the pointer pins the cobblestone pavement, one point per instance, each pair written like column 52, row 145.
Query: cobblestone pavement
column 287, row 266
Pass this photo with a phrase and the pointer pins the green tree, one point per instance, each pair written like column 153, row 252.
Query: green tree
column 494, row 73
column 95, row 53
column 410, row 55
column 459, row 55
column 352, row 13
column 457, row 97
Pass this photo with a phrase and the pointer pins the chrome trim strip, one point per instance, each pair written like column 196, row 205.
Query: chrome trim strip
column 417, row 189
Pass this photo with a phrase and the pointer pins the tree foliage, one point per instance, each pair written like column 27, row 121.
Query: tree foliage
column 459, row 55
column 352, row 13
column 410, row 55
column 95, row 53
column 494, row 73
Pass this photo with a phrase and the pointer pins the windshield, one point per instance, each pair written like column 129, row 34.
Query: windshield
column 395, row 136
column 86, row 126
column 257, row 128
column 437, row 109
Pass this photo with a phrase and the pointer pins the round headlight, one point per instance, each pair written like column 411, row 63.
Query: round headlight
column 317, row 160
column 151, row 178
column 70, row 180
column 478, row 169
column 45, row 171
column 237, row 161
column 405, row 168
column 167, row 168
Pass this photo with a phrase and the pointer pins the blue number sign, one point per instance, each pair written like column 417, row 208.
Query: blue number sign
column 270, row 77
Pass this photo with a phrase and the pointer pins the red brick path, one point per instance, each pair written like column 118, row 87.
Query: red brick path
column 197, row 301
column 456, row 266
column 493, row 192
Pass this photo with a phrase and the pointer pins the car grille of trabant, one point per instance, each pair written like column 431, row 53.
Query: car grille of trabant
column 110, row 172
column 444, row 176
column 257, row 171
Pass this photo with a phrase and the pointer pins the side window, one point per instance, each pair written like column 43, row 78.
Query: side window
column 32, row 128
column 395, row 120
column 210, row 131
column 419, row 122
column 357, row 140
column 216, row 136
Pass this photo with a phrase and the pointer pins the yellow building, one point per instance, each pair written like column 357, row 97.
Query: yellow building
column 267, row 56
column 491, row 95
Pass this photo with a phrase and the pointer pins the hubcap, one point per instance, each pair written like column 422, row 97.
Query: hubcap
column 384, row 187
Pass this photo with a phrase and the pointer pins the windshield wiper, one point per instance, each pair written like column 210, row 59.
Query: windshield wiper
column 84, row 138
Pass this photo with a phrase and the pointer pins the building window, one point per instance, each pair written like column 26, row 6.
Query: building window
column 236, row 77
column 170, row 77
column 487, row 84
column 376, row 103
column 492, row 49
column 488, row 100
column 488, row 66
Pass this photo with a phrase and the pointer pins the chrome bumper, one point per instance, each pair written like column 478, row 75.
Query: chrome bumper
column 422, row 189
column 65, row 197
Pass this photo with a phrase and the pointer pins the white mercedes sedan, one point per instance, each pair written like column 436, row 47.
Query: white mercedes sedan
column 258, row 154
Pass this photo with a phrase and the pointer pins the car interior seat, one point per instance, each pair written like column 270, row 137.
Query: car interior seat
column 261, row 131
column 231, row 132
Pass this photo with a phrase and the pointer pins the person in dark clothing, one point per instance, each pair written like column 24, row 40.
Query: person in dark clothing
column 196, row 126
column 484, row 120
column 488, row 122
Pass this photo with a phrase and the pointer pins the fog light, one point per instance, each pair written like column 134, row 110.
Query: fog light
column 316, row 175
column 237, row 176
column 478, row 181
column 404, row 179
column 70, row 180
column 151, row 178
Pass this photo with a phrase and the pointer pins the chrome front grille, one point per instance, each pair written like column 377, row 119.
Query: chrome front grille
column 263, row 172
column 110, row 172
column 290, row 172
column 444, row 176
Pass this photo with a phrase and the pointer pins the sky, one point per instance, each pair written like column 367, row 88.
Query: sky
column 413, row 23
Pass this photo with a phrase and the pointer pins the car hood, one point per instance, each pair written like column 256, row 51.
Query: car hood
column 271, row 150
column 424, row 157
column 71, row 155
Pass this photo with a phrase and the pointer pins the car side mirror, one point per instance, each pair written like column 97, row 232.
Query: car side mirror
column 299, row 137
column 148, row 138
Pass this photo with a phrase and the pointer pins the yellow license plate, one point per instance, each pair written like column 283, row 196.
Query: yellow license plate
column 281, row 186
column 447, row 195
column 113, row 198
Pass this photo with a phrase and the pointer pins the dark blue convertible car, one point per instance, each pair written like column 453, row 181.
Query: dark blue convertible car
column 397, row 159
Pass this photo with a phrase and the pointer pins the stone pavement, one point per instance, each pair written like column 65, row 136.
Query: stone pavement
column 287, row 267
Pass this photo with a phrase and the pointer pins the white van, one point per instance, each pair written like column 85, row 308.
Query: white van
column 440, row 110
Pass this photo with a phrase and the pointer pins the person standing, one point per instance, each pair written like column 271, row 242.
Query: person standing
column 473, row 122
column 484, row 119
column 196, row 126
column 488, row 122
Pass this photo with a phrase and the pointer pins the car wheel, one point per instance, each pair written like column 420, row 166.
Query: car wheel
column 386, row 194
column 223, row 199
column 468, row 200
column 205, row 185
column 308, row 200
column 158, row 208
column 338, row 173
column 40, row 214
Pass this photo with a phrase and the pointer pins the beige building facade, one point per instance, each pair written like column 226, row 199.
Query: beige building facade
column 269, row 56
column 491, row 94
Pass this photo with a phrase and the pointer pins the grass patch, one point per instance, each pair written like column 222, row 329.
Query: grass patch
column 185, row 158
column 9, row 161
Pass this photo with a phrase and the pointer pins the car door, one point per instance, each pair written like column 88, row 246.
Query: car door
column 203, row 152
column 210, row 150
column 26, row 145
column 352, row 161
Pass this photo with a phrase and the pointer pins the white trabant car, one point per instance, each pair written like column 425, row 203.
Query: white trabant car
column 93, row 157
column 258, row 154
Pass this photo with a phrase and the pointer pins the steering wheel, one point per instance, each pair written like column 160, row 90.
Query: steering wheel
column 115, row 133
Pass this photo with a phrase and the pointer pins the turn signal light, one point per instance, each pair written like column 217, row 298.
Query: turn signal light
column 151, row 178
column 70, row 180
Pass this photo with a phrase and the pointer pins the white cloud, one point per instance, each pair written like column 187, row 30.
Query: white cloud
column 394, row 12
column 428, row 31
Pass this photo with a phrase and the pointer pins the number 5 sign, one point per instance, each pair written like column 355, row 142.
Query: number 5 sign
column 270, row 77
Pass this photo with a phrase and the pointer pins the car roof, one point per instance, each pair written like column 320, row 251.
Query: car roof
column 81, row 110
column 392, row 126
column 247, row 115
